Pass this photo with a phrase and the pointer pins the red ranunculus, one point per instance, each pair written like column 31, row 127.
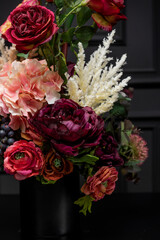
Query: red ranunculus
column 68, row 126
column 107, row 12
column 29, row 26
column 23, row 160
column 101, row 183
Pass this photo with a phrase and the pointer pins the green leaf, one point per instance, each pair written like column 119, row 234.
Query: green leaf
column 75, row 44
column 23, row 55
column 83, row 15
column 86, row 203
column 72, row 3
column 69, row 21
column 68, row 35
column 85, row 33
column 61, row 65
column 59, row 3
column 44, row 181
column 90, row 159
column 118, row 110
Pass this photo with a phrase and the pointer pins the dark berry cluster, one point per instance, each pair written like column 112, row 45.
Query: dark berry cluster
column 7, row 135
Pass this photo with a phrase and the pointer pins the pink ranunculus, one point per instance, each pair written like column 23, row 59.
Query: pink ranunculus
column 107, row 12
column 101, row 183
column 29, row 25
column 23, row 160
column 26, row 85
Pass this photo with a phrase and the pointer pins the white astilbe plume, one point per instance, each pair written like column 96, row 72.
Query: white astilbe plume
column 95, row 84
column 7, row 54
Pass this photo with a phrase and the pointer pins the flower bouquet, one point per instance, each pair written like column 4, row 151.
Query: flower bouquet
column 58, row 115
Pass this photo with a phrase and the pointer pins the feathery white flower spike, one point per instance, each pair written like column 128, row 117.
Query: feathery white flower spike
column 95, row 84
column 7, row 54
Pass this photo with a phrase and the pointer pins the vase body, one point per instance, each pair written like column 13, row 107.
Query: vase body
column 48, row 211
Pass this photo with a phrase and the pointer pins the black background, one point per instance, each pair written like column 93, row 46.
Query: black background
column 131, row 212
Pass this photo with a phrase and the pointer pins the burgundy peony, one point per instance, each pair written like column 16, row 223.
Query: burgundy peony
column 101, row 183
column 108, row 153
column 68, row 126
column 29, row 26
column 23, row 160
column 107, row 12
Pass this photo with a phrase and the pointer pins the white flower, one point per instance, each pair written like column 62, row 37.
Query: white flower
column 95, row 84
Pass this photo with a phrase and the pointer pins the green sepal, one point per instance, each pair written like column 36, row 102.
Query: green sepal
column 86, row 203
column 44, row 181
column 83, row 16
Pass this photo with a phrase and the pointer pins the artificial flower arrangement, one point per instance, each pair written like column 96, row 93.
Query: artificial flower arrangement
column 57, row 115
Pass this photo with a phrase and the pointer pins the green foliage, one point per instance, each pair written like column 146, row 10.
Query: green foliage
column 23, row 55
column 44, row 181
column 86, row 203
column 59, row 3
column 118, row 110
column 69, row 21
column 85, row 33
column 72, row 3
column 88, row 159
column 68, row 35
column 132, row 163
column 83, row 16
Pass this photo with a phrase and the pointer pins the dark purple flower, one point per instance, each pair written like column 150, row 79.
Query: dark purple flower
column 108, row 153
column 68, row 126
column 71, row 69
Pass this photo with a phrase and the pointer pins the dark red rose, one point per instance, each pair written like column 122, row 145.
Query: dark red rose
column 30, row 26
column 68, row 126
column 108, row 153
column 107, row 12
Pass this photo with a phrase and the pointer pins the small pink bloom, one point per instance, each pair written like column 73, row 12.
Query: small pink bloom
column 23, row 160
column 140, row 150
column 101, row 183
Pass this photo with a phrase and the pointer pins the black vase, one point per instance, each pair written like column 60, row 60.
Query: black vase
column 48, row 211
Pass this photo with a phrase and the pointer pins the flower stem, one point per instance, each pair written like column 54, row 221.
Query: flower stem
column 65, row 50
column 64, row 19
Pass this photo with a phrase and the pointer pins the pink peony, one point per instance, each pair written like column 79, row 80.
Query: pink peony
column 25, row 86
column 101, row 183
column 23, row 160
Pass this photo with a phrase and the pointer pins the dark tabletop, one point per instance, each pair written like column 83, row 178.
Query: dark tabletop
column 120, row 216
